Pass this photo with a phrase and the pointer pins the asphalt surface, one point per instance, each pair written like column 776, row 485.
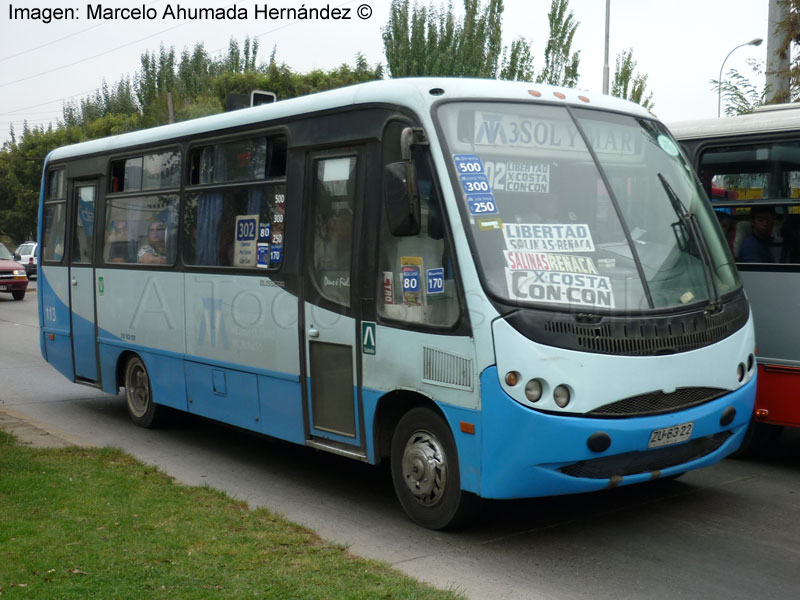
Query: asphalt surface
column 731, row 531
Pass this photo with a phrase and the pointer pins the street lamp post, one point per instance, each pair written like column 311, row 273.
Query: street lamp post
column 753, row 42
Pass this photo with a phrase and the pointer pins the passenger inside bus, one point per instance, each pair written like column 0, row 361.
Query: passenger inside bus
column 757, row 247
column 154, row 252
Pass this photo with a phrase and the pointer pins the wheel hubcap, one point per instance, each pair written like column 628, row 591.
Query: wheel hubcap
column 425, row 467
column 138, row 390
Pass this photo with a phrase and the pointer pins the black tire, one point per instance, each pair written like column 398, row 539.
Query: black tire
column 759, row 436
column 425, row 472
column 139, row 395
column 18, row 295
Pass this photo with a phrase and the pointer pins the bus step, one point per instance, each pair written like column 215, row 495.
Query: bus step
column 89, row 382
column 338, row 448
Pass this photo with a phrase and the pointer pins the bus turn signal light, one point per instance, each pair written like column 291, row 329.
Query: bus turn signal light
column 762, row 413
column 467, row 427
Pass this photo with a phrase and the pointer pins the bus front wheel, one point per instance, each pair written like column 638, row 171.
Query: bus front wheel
column 425, row 471
column 139, row 395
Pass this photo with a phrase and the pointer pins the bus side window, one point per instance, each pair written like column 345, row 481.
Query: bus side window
column 416, row 281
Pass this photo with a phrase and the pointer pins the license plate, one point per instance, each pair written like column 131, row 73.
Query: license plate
column 3, row 287
column 670, row 435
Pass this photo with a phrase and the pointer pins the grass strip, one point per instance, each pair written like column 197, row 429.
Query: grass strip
column 96, row 523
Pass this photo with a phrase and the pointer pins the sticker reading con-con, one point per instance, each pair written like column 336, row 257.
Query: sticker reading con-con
column 560, row 288
column 544, row 237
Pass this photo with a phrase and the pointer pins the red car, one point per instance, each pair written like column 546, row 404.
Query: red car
column 12, row 275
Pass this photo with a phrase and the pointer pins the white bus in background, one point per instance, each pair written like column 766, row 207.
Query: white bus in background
column 504, row 289
column 750, row 168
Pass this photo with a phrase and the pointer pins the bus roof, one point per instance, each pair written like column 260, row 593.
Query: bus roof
column 414, row 93
column 780, row 117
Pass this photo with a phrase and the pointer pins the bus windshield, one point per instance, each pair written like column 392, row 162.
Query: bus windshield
column 618, row 226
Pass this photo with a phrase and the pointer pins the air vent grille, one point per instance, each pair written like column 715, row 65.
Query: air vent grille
column 655, row 403
column 443, row 368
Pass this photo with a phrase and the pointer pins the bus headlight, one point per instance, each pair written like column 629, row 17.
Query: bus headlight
column 740, row 372
column 533, row 390
column 751, row 362
column 561, row 395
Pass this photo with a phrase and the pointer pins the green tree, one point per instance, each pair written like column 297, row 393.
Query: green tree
column 198, row 85
column 789, row 28
column 20, row 177
column 560, row 68
column 431, row 41
column 739, row 94
column 628, row 84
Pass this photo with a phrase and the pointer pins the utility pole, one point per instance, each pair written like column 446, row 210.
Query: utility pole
column 777, row 85
column 605, row 63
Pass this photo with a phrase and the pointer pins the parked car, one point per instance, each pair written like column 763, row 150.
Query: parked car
column 12, row 275
column 26, row 256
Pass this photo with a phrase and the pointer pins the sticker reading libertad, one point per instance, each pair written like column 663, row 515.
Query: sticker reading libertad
column 542, row 237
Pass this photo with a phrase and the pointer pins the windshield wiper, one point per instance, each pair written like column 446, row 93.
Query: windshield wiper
column 690, row 229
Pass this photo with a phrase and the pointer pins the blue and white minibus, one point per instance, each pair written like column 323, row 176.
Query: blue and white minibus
column 504, row 289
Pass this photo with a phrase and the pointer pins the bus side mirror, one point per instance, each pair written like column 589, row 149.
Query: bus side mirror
column 401, row 199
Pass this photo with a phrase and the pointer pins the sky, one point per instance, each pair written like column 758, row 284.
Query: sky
column 679, row 44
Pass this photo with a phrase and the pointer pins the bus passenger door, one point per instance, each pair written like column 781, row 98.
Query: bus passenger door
column 330, row 300
column 81, row 278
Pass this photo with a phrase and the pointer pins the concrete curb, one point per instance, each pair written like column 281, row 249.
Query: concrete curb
column 30, row 432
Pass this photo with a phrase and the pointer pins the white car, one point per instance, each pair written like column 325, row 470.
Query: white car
column 26, row 256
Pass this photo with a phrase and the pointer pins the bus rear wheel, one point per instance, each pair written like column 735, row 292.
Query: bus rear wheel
column 139, row 395
column 425, row 471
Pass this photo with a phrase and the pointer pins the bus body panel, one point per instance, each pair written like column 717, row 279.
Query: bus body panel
column 527, row 464
column 449, row 362
column 778, row 394
column 776, row 335
column 53, row 296
column 250, row 321
column 84, row 338
column 223, row 394
column 141, row 307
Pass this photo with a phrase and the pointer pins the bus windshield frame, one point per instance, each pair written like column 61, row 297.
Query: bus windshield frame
column 583, row 210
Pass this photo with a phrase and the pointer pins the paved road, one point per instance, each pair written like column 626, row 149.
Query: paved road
column 731, row 531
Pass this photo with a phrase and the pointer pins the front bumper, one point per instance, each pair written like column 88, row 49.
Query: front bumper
column 13, row 285
column 527, row 453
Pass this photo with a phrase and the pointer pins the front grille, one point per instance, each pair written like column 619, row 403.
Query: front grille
column 646, row 461
column 634, row 335
column 655, row 403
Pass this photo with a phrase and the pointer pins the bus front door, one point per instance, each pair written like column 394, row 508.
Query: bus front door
column 81, row 278
column 330, row 305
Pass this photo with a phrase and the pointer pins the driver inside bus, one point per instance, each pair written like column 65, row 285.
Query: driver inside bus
column 154, row 252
